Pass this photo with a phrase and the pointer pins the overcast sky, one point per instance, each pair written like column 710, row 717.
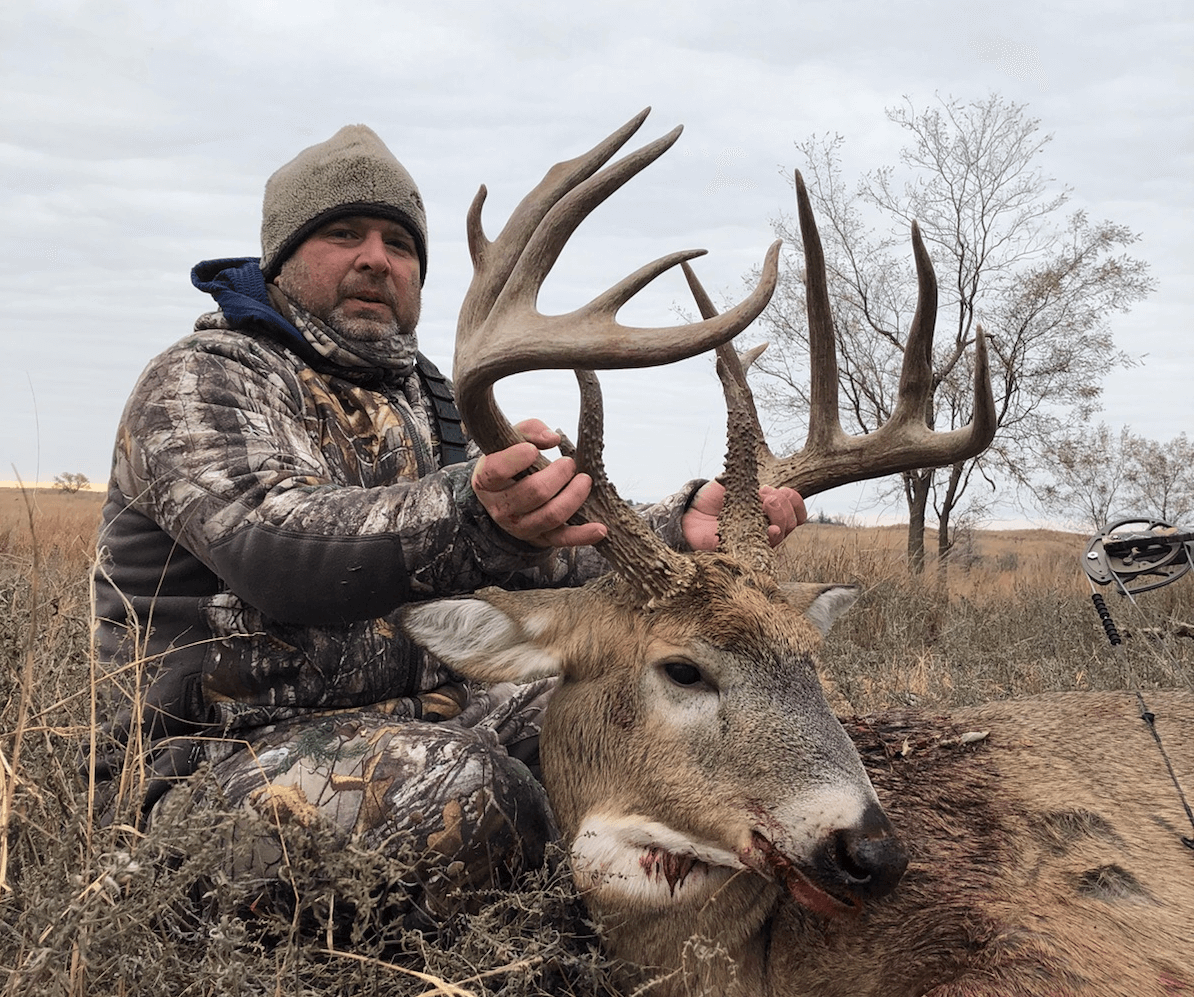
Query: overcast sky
column 135, row 139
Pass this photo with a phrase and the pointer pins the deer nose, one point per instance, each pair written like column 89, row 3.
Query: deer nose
column 866, row 860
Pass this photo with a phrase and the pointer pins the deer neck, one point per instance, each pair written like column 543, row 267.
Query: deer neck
column 717, row 947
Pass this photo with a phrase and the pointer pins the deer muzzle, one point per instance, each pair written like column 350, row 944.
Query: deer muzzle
column 850, row 866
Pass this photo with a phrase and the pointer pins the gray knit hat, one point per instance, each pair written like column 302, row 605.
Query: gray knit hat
column 352, row 173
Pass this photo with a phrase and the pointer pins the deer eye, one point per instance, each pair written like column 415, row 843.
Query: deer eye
column 683, row 672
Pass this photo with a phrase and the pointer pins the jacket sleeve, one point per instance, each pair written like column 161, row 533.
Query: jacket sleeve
column 223, row 448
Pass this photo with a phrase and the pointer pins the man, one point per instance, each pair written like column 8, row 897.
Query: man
column 284, row 480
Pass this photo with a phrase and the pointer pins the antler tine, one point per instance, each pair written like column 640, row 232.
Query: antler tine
column 501, row 332
column 824, row 422
column 916, row 373
column 829, row 457
column 637, row 554
column 742, row 525
column 551, row 235
column 491, row 273
column 735, row 364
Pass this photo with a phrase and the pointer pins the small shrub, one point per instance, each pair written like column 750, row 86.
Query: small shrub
column 71, row 482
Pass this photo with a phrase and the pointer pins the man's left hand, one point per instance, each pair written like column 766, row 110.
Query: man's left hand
column 783, row 507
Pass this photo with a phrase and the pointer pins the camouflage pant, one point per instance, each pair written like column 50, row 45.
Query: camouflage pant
column 447, row 797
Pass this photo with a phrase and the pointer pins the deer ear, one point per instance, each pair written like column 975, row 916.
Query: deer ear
column 491, row 636
column 821, row 604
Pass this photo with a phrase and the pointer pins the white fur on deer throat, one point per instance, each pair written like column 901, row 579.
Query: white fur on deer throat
column 482, row 638
column 647, row 864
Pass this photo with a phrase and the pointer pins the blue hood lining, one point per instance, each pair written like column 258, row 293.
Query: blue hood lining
column 238, row 286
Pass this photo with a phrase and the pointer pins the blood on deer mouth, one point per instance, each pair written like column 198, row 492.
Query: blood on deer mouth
column 765, row 858
column 656, row 863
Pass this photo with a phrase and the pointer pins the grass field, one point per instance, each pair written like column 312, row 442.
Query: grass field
column 86, row 909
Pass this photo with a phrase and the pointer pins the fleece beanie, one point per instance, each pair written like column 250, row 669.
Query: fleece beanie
column 352, row 173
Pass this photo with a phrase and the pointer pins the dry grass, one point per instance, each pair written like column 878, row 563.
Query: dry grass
column 91, row 910
column 86, row 909
column 1018, row 620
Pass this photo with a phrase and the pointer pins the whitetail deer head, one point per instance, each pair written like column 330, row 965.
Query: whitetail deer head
column 689, row 752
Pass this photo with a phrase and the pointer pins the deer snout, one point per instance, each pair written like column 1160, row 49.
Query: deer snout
column 849, row 865
column 864, row 861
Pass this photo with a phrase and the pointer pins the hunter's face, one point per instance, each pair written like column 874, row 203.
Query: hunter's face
column 360, row 275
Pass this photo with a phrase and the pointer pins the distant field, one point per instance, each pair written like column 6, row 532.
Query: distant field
column 1014, row 618
column 61, row 521
column 87, row 909
column 981, row 559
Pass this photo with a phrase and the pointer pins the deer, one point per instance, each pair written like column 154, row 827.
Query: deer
column 728, row 832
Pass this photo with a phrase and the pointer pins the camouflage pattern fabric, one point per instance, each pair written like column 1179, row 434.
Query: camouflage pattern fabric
column 448, row 797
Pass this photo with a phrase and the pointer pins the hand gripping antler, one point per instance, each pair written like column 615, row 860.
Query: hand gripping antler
column 501, row 332
column 829, row 457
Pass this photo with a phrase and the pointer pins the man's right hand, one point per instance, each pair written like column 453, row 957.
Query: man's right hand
column 535, row 508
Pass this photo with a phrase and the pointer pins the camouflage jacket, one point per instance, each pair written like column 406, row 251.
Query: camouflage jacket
column 268, row 514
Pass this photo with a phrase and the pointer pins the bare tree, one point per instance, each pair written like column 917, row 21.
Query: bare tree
column 70, row 482
column 1088, row 474
column 1160, row 478
column 1043, row 287
column 1100, row 475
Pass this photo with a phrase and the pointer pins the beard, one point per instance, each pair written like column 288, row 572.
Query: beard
column 364, row 329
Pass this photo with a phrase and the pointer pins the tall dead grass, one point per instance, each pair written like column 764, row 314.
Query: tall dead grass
column 86, row 909
column 1017, row 620
column 93, row 909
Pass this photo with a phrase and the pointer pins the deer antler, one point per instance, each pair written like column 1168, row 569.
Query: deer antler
column 501, row 332
column 742, row 525
column 829, row 456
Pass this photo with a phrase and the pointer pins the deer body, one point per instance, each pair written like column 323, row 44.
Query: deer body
column 1044, row 835
column 1045, row 859
column 722, row 824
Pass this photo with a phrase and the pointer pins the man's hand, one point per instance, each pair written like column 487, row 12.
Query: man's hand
column 535, row 508
column 783, row 506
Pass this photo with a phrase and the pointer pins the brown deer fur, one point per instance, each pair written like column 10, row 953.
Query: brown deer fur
column 1046, row 858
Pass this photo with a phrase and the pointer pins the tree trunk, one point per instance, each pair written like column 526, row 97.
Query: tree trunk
column 944, row 546
column 916, row 491
column 945, row 542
